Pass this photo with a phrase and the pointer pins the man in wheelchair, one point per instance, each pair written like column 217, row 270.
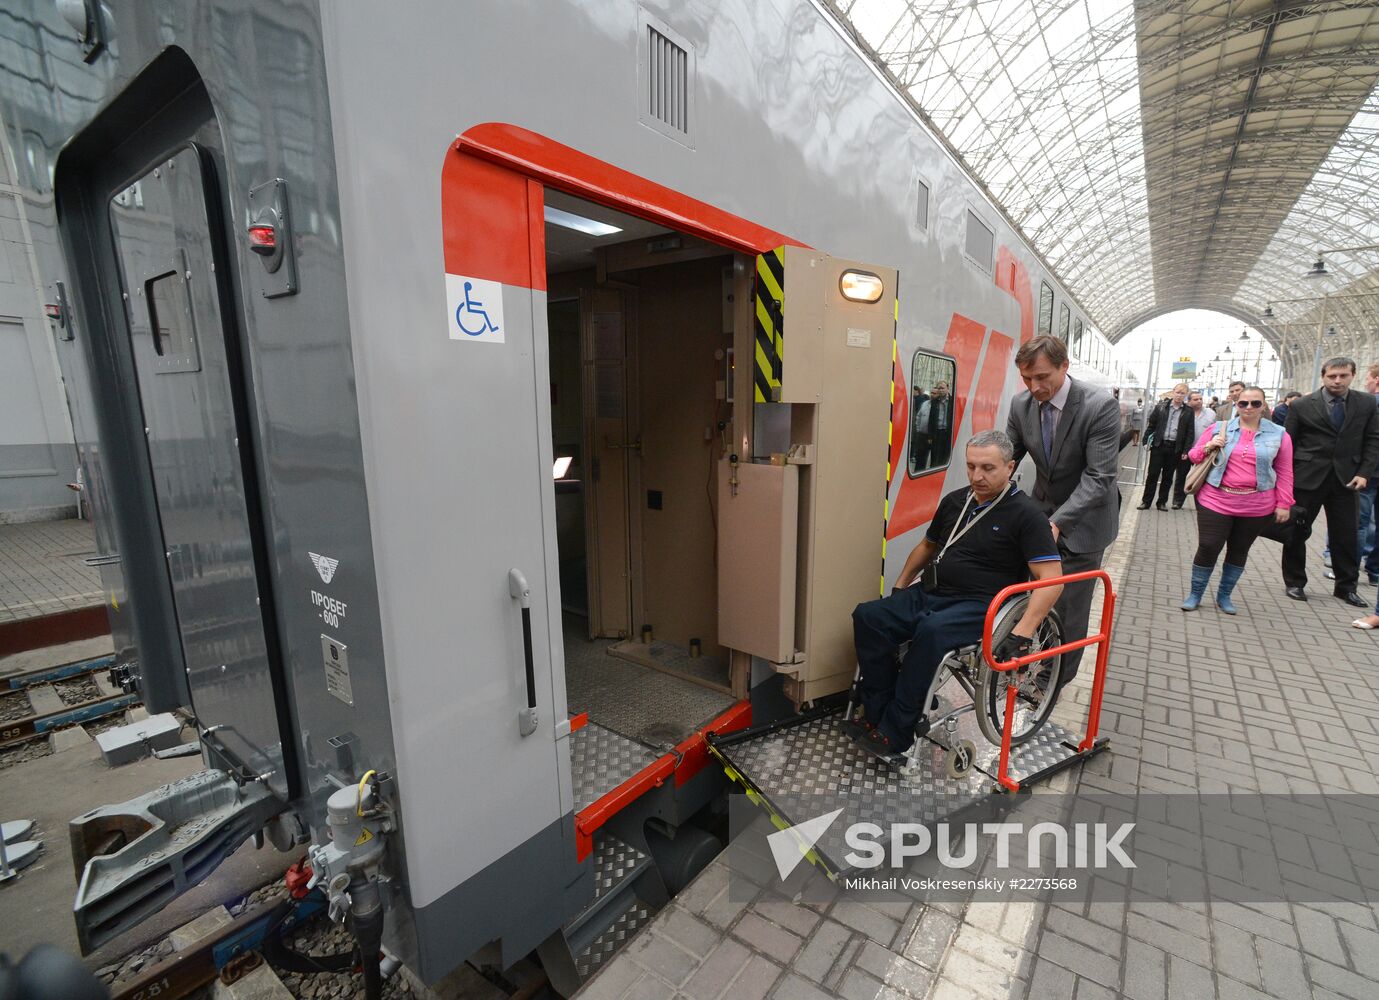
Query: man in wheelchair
column 980, row 541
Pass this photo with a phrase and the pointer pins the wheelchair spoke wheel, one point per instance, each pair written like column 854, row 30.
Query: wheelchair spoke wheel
column 1036, row 685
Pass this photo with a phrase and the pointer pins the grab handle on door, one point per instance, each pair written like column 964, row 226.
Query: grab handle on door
column 517, row 587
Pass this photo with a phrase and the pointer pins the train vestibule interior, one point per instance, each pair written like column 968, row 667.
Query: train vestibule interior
column 640, row 327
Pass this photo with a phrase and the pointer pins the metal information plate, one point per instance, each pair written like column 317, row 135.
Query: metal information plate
column 337, row 663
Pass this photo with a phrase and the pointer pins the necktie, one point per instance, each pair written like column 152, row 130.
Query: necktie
column 1046, row 427
column 1337, row 413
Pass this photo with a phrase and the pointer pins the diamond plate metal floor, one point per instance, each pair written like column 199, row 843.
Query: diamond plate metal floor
column 613, row 860
column 601, row 760
column 1044, row 750
column 642, row 704
column 631, row 921
column 812, row 768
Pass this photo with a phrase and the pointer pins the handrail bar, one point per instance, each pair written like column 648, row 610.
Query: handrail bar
column 1102, row 640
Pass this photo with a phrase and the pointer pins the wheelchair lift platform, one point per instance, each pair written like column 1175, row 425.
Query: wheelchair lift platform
column 806, row 766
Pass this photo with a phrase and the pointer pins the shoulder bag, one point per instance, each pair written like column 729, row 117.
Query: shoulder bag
column 1197, row 475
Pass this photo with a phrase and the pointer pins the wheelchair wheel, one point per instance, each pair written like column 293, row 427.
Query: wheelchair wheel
column 960, row 760
column 1035, row 694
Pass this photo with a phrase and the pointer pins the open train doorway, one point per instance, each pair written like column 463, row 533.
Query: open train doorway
column 640, row 336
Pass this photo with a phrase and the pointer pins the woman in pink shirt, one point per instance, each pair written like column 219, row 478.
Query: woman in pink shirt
column 1250, row 487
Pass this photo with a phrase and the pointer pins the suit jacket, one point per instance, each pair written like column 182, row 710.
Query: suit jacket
column 1158, row 428
column 1319, row 451
column 1077, row 487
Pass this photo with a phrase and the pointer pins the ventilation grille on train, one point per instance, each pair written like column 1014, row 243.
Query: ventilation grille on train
column 667, row 92
column 666, row 76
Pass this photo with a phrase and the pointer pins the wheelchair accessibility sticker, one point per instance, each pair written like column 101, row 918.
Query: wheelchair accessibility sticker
column 476, row 308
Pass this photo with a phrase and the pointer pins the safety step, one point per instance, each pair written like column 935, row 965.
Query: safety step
column 617, row 866
column 627, row 887
column 603, row 947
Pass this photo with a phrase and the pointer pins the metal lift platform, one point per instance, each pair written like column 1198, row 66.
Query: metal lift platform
column 806, row 766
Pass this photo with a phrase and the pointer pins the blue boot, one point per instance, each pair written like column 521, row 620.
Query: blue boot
column 1201, row 576
column 1230, row 576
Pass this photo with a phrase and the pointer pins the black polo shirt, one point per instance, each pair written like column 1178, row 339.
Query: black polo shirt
column 996, row 551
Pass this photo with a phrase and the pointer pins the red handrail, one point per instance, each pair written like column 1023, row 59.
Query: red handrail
column 1102, row 640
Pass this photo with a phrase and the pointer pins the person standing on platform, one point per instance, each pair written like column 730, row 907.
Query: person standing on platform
column 1280, row 416
column 1072, row 433
column 1226, row 410
column 1169, row 435
column 1366, row 539
column 1202, row 418
column 1335, row 434
column 1250, row 490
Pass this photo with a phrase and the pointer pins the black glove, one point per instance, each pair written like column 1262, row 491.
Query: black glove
column 1012, row 647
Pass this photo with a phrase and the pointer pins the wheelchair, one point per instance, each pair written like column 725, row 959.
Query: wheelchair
column 1036, row 688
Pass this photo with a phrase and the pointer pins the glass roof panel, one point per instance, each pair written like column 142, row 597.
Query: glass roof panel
column 1054, row 105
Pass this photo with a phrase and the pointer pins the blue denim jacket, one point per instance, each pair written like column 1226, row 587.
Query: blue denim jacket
column 1268, row 440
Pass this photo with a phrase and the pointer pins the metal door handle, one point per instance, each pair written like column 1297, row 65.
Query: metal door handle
column 517, row 587
column 634, row 446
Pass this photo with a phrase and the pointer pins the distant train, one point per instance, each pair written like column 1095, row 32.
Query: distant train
column 406, row 352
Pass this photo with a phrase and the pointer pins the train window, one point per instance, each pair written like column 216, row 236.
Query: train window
column 1063, row 315
column 932, row 377
column 980, row 241
column 1077, row 338
column 922, row 207
column 1045, row 308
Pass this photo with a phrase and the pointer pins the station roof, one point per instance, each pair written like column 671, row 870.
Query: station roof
column 1163, row 154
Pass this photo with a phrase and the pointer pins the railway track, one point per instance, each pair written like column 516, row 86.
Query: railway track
column 34, row 703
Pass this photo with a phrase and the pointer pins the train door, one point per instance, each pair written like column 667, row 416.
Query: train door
column 649, row 390
column 177, row 341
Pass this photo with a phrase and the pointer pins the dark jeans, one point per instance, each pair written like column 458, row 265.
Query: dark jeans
column 1164, row 470
column 893, row 695
column 1235, row 534
column 1341, row 524
column 1367, row 539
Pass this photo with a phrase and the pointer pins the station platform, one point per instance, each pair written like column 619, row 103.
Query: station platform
column 1275, row 699
column 42, row 569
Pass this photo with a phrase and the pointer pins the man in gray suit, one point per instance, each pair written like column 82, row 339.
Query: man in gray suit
column 1072, row 432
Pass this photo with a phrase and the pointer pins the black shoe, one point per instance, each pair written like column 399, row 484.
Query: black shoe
column 1354, row 600
column 854, row 729
column 874, row 743
column 1161, row 506
column 1143, row 506
column 1296, row 593
column 1178, row 506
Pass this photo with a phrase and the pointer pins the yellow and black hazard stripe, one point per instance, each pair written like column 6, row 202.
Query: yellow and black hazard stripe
column 890, row 437
column 770, row 325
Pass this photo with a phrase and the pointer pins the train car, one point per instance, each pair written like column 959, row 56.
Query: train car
column 424, row 356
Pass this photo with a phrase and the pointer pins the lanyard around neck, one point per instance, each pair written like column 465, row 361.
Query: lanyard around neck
column 955, row 534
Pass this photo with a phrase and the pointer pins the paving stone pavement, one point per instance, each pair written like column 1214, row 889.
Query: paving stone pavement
column 1278, row 698
column 41, row 568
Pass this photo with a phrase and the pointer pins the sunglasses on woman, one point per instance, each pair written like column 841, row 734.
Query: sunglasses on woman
column 1249, row 404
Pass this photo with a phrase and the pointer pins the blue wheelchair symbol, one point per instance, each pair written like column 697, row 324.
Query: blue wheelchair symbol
column 476, row 311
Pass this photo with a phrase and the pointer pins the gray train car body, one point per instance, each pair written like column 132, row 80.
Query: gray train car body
column 322, row 465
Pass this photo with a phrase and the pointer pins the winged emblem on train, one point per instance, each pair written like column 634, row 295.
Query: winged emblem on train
column 325, row 566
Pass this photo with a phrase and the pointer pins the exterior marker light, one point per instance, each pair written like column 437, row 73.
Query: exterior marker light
column 860, row 286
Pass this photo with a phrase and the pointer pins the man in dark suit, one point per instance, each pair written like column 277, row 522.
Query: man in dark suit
column 1072, row 433
column 1335, row 433
column 1170, row 436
